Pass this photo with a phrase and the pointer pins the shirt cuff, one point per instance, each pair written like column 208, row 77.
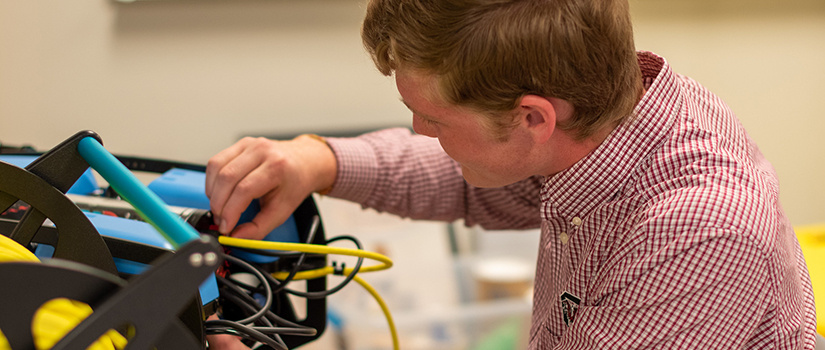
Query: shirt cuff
column 357, row 169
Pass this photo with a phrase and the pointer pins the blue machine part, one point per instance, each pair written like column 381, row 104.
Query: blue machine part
column 130, row 230
column 85, row 185
column 186, row 188
column 134, row 231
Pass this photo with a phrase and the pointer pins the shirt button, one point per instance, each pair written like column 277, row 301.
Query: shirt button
column 564, row 237
column 577, row 221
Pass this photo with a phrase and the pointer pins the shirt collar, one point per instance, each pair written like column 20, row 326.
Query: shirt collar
column 599, row 176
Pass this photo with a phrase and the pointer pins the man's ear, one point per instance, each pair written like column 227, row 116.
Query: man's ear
column 538, row 116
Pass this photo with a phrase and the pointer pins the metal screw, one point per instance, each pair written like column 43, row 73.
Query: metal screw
column 211, row 258
column 196, row 260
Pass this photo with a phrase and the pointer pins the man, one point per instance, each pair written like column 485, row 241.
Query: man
column 660, row 220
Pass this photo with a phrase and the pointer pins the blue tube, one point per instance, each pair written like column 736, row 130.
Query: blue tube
column 148, row 205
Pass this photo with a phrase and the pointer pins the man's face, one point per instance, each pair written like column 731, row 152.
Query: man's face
column 485, row 160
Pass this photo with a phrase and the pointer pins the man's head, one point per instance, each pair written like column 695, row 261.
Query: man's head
column 488, row 54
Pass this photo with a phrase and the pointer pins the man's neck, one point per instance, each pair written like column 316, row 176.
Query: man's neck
column 567, row 149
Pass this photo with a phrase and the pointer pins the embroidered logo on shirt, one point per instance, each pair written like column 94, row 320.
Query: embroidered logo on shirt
column 569, row 307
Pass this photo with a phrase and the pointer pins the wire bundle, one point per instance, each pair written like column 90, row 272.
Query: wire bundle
column 253, row 299
column 261, row 325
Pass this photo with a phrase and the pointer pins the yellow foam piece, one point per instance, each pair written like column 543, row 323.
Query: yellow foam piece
column 56, row 317
column 59, row 316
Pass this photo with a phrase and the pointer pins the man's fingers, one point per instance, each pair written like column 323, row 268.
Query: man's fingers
column 274, row 172
column 275, row 210
column 217, row 162
column 237, row 184
column 255, row 185
column 250, row 230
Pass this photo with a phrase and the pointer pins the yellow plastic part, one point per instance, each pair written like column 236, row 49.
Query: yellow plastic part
column 56, row 317
column 812, row 240
column 59, row 316
column 13, row 251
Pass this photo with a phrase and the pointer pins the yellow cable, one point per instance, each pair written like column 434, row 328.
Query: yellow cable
column 309, row 248
column 384, row 308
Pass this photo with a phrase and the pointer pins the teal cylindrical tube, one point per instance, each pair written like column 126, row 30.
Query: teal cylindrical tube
column 148, row 205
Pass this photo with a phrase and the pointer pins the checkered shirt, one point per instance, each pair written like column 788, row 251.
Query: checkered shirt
column 669, row 235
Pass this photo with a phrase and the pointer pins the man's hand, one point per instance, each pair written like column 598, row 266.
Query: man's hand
column 224, row 341
column 279, row 173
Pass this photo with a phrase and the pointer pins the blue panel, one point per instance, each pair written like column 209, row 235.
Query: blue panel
column 85, row 185
column 208, row 289
column 141, row 232
column 130, row 230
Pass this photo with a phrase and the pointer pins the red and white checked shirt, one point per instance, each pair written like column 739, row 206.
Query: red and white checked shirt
column 669, row 235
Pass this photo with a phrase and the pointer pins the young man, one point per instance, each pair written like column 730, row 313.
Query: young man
column 660, row 220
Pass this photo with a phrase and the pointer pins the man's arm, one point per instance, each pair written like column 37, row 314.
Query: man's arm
column 411, row 176
column 390, row 170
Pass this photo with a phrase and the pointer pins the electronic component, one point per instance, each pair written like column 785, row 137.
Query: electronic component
column 129, row 256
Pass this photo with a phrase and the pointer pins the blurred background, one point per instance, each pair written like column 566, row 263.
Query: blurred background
column 184, row 79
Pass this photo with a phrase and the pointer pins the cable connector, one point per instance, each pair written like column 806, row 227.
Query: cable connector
column 338, row 271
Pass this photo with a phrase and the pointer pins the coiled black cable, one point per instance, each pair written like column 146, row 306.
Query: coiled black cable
column 339, row 286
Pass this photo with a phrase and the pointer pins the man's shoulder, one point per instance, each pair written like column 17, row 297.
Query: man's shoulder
column 737, row 199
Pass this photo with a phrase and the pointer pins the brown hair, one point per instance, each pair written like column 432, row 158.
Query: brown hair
column 487, row 54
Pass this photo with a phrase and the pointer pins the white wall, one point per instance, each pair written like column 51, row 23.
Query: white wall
column 185, row 78
column 766, row 59
column 182, row 79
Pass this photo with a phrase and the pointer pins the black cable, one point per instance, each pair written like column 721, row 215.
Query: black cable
column 237, row 287
column 281, row 285
column 282, row 321
column 235, row 328
column 241, row 298
column 238, row 293
column 339, row 286
column 240, row 287
column 251, row 307
column 250, row 302
column 287, row 330
column 267, row 288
